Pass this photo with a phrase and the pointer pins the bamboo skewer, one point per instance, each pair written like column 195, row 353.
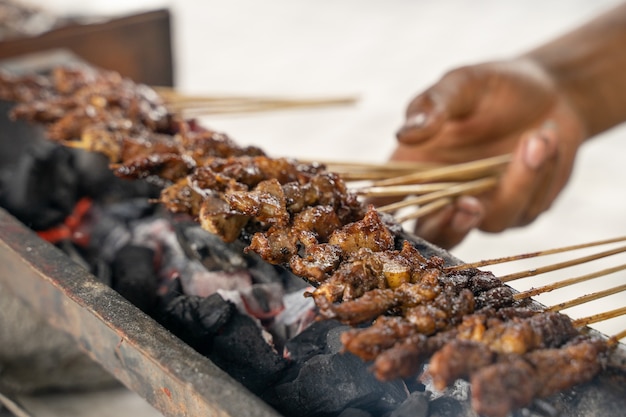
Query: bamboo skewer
column 567, row 282
column 391, row 166
column 457, row 172
column 561, row 265
column 472, row 187
column 528, row 255
column 249, row 107
column 199, row 105
column 403, row 190
column 362, row 171
column 613, row 340
column 587, row 298
column 425, row 209
column 596, row 318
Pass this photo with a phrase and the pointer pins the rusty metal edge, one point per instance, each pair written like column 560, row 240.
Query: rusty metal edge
column 139, row 352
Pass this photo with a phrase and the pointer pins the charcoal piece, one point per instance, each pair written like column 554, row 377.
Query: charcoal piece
column 333, row 339
column 541, row 408
column 98, row 181
column 38, row 198
column 241, row 350
column 415, row 406
column 311, row 341
column 40, row 188
column 602, row 396
column 354, row 412
column 209, row 249
column 450, row 407
column 196, row 320
column 328, row 384
column 265, row 273
column 134, row 277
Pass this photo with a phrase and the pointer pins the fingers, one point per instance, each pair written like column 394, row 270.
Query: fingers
column 525, row 189
column 449, row 226
column 453, row 96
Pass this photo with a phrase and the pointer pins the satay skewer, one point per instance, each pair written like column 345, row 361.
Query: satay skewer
column 587, row 298
column 567, row 282
column 596, row 318
column 206, row 104
column 425, row 209
column 471, row 187
column 561, row 265
column 456, row 172
column 528, row 255
column 404, row 190
column 223, row 108
column 613, row 340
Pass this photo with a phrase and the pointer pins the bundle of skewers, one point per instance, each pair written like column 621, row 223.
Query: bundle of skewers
column 422, row 188
column 188, row 105
column 409, row 309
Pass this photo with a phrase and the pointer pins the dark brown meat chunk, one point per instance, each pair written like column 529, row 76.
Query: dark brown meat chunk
column 266, row 203
column 458, row 359
column 371, row 341
column 514, row 380
column 318, row 262
column 368, row 233
column 168, row 166
column 276, row 246
column 182, row 198
column 370, row 305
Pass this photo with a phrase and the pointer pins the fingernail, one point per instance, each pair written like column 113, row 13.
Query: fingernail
column 536, row 151
column 465, row 220
column 415, row 121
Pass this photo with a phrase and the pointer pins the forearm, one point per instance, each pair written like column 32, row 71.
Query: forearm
column 588, row 66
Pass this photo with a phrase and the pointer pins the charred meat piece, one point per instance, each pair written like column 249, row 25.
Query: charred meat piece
column 514, row 336
column 515, row 380
column 170, row 167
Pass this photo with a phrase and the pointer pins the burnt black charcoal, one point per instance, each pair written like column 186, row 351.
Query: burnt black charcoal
column 209, row 249
column 266, row 273
column 327, row 384
column 541, row 408
column 241, row 350
column 414, row 406
column 354, row 412
column 604, row 396
column 98, row 181
column 16, row 136
column 196, row 320
column 312, row 341
column 134, row 277
column 449, row 407
column 333, row 339
column 41, row 187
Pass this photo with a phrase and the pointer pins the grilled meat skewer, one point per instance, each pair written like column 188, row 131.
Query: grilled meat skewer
column 304, row 218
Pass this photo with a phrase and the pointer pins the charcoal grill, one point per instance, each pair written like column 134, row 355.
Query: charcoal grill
column 145, row 357
column 152, row 362
column 169, row 374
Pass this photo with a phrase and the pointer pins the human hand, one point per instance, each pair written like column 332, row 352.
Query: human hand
column 485, row 110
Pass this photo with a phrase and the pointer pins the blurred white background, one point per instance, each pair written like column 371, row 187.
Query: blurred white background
column 384, row 53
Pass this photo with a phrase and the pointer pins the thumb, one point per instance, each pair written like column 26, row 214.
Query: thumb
column 454, row 96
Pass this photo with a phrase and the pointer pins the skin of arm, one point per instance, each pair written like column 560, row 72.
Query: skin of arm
column 540, row 107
